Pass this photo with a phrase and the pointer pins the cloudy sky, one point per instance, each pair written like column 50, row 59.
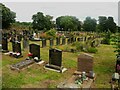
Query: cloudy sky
column 25, row 10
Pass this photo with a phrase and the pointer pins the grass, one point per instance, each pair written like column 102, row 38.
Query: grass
column 36, row 76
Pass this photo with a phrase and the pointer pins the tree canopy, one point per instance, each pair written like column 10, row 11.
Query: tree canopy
column 42, row 22
column 8, row 16
column 89, row 24
column 68, row 23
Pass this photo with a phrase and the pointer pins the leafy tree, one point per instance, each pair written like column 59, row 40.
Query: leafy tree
column 68, row 23
column 102, row 23
column 111, row 24
column 8, row 16
column 89, row 24
column 41, row 22
column 106, row 24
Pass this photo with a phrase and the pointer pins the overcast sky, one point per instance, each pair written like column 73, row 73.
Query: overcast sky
column 25, row 10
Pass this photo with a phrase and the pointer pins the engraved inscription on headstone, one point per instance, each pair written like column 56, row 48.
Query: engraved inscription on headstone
column 55, row 57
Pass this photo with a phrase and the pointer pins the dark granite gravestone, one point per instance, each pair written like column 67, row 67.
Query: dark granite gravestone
column 57, row 41
column 43, row 43
column 68, row 41
column 71, row 39
column 19, row 38
column 51, row 42
column 4, row 44
column 85, row 39
column 55, row 57
column 55, row 60
column 63, row 41
column 74, row 39
column 85, row 63
column 35, row 50
column 16, row 46
column 93, row 43
column 25, row 42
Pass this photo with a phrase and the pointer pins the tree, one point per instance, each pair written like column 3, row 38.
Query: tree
column 103, row 24
column 68, row 23
column 41, row 22
column 8, row 16
column 111, row 24
column 89, row 24
column 106, row 24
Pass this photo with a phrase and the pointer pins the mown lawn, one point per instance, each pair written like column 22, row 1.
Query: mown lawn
column 38, row 77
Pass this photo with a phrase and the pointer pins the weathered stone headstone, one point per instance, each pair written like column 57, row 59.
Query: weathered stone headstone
column 35, row 50
column 58, row 41
column 51, row 42
column 25, row 42
column 85, row 63
column 43, row 43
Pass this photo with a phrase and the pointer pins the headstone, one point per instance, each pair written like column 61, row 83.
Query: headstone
column 16, row 46
column 68, row 41
column 55, row 61
column 72, row 40
column 25, row 42
column 43, row 43
column 19, row 38
column 57, row 41
column 80, row 39
column 4, row 44
column 35, row 50
column 85, row 63
column 63, row 41
column 51, row 42
column 55, row 57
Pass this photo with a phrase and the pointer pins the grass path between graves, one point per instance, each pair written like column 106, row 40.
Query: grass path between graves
column 38, row 77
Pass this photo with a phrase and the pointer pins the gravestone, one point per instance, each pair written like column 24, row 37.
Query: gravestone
column 43, row 43
column 51, row 42
column 55, row 60
column 25, row 42
column 35, row 50
column 16, row 46
column 57, row 41
column 63, row 41
column 4, row 44
column 80, row 39
column 85, row 63
column 72, row 40
column 68, row 41
column 19, row 38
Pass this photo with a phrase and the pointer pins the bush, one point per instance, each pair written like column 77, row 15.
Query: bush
column 92, row 50
column 51, row 33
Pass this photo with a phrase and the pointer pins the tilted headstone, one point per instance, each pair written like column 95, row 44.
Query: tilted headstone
column 63, row 41
column 35, row 50
column 51, row 42
column 85, row 63
column 57, row 41
column 43, row 42
column 4, row 43
column 55, row 57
